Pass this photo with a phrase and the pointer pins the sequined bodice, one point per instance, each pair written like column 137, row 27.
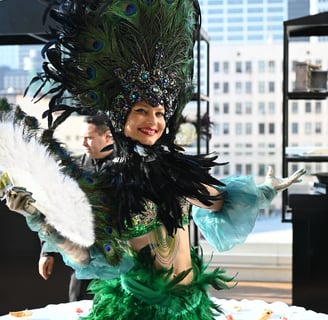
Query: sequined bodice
column 146, row 222
column 114, row 244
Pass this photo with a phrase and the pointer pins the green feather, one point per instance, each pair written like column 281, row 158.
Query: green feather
column 148, row 293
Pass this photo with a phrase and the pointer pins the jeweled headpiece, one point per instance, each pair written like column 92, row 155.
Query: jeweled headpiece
column 108, row 55
column 155, row 86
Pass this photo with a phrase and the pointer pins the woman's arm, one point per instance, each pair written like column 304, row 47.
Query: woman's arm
column 88, row 262
column 231, row 224
column 217, row 204
column 20, row 200
column 279, row 184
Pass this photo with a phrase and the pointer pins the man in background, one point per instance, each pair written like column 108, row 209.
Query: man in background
column 98, row 144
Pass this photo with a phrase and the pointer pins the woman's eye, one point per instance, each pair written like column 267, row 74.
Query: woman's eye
column 160, row 114
column 140, row 111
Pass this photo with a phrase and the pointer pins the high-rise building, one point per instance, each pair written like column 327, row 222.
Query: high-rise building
column 253, row 21
column 244, row 21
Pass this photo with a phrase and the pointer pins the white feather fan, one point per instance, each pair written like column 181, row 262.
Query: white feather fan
column 57, row 195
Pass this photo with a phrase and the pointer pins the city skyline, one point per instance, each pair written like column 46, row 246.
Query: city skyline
column 226, row 21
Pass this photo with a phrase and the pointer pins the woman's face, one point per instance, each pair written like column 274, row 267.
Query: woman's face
column 145, row 123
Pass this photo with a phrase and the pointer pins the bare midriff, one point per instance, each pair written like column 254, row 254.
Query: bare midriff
column 169, row 251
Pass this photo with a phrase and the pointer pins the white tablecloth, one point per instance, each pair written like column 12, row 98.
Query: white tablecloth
column 62, row 311
column 234, row 310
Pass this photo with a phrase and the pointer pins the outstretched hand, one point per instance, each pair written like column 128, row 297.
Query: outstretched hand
column 281, row 184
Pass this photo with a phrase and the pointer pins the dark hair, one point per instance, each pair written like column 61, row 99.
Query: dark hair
column 100, row 121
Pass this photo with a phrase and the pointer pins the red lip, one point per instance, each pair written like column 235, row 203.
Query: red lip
column 148, row 131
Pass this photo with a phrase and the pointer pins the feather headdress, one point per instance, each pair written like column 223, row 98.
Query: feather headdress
column 108, row 55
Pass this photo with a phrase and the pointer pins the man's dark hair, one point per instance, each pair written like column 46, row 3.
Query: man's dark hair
column 100, row 121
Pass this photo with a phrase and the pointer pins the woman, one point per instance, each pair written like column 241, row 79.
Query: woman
column 141, row 258
column 159, row 275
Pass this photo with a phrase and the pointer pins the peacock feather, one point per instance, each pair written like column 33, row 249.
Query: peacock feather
column 92, row 39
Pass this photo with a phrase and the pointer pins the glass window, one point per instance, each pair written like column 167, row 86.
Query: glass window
column 258, row 28
column 271, row 86
column 248, row 107
column 308, row 107
column 248, row 128
column 294, row 128
column 271, row 66
column 248, row 169
column 261, row 128
column 261, row 86
column 235, row 19
column 307, row 127
column 216, row 129
column 271, row 128
column 215, row 1
column 275, row 9
column 239, row 88
column 232, row 29
column 216, row 86
column 239, row 129
column 225, row 87
column 261, row 66
column 248, row 87
column 261, row 108
column 216, row 108
column 318, row 107
column 238, row 67
column 216, row 67
column 226, row 66
column 262, row 170
column 226, row 128
column 248, row 66
column 318, row 127
column 238, row 107
column 254, row 19
column 216, row 171
column 235, row 1
column 215, row 11
column 235, row 37
column 256, row 10
column 272, row 107
column 226, row 108
column 239, row 168
column 294, row 107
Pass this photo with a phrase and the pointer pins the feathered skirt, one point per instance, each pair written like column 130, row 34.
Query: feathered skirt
column 148, row 293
